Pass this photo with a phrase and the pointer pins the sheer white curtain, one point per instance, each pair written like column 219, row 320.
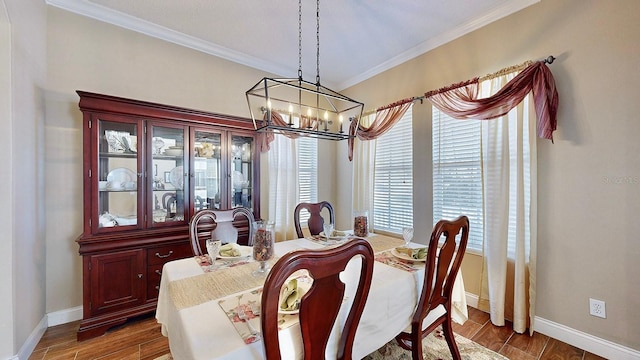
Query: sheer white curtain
column 283, row 186
column 363, row 163
column 510, row 209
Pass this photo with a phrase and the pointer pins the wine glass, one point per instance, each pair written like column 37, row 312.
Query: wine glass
column 407, row 235
column 213, row 249
column 328, row 230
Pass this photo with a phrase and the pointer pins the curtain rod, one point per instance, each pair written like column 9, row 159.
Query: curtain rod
column 548, row 60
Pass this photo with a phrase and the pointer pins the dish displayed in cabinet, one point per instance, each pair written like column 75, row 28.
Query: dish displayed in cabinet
column 176, row 177
column 121, row 179
column 177, row 151
column 239, row 182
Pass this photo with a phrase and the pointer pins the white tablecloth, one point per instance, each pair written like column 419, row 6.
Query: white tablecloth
column 204, row 331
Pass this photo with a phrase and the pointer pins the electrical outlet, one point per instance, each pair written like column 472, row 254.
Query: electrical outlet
column 597, row 308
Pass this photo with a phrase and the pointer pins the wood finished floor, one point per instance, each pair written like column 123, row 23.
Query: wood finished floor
column 140, row 339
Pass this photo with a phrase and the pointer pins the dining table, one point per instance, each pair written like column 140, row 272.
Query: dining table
column 200, row 302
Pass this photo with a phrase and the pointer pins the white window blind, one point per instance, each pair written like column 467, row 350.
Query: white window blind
column 308, row 169
column 307, row 173
column 393, row 177
column 457, row 176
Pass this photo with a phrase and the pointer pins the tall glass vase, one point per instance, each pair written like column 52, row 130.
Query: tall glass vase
column 361, row 223
column 263, row 242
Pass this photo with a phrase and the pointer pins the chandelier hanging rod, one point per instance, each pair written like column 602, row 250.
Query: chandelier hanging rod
column 323, row 106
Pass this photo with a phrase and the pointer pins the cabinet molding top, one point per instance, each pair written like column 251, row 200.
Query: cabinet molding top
column 90, row 101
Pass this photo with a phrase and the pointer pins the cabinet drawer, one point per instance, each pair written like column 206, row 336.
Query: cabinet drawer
column 163, row 254
column 154, row 273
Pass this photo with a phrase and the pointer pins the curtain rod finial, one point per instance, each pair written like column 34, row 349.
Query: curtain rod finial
column 549, row 59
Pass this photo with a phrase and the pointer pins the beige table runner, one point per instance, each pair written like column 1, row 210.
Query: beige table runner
column 381, row 243
column 199, row 289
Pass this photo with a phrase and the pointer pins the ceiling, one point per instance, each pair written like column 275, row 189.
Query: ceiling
column 358, row 38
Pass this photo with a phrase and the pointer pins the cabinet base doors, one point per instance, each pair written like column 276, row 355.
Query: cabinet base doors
column 118, row 281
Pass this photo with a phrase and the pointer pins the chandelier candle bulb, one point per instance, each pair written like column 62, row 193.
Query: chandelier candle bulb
column 326, row 120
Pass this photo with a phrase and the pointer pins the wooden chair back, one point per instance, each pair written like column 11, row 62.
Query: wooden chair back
column 220, row 225
column 316, row 221
column 319, row 307
column 441, row 268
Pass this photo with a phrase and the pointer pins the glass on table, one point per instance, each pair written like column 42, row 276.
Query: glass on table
column 328, row 230
column 407, row 235
column 213, row 249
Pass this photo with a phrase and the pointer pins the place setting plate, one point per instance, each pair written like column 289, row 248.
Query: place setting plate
column 245, row 252
column 304, row 284
column 406, row 257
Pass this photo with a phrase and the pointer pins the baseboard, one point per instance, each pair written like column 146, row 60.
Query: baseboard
column 579, row 339
column 51, row 319
column 472, row 300
column 64, row 316
column 32, row 341
column 584, row 341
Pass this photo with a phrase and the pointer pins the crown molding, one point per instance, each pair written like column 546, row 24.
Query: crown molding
column 133, row 23
column 497, row 13
column 104, row 14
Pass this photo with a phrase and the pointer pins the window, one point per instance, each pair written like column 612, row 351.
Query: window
column 307, row 173
column 308, row 169
column 393, row 177
column 457, row 176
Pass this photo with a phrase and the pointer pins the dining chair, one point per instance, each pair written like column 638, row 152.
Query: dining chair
column 219, row 225
column 434, row 304
column 320, row 305
column 316, row 220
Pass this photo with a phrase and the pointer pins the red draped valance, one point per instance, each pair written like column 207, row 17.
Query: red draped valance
column 460, row 101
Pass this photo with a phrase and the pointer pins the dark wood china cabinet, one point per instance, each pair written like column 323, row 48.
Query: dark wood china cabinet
column 147, row 169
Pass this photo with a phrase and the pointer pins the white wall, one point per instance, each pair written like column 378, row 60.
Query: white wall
column 85, row 54
column 23, row 245
column 6, row 177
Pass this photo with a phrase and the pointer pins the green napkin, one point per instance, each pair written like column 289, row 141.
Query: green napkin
column 336, row 233
column 290, row 296
column 230, row 250
column 417, row 253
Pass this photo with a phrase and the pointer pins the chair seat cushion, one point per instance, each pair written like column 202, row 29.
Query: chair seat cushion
column 430, row 318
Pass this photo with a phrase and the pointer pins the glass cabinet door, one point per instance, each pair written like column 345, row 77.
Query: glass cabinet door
column 168, row 171
column 207, row 166
column 241, row 171
column 118, row 174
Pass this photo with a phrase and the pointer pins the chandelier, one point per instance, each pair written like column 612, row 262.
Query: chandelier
column 295, row 107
